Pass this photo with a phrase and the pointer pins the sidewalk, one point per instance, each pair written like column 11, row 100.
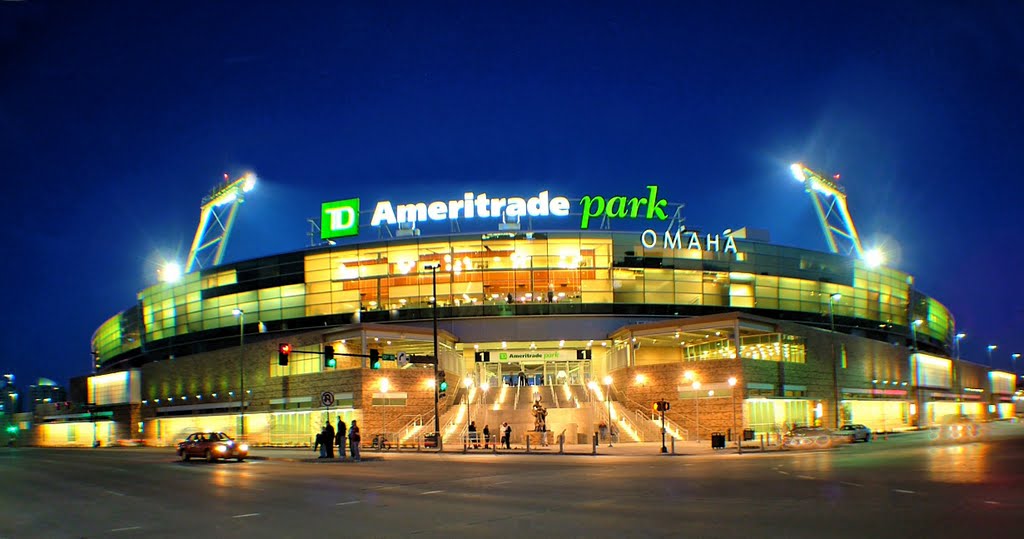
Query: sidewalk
column 630, row 449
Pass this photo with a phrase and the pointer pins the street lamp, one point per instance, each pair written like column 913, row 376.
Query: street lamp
column 385, row 385
column 958, row 387
column 483, row 403
column 1014, row 358
column 991, row 347
column 241, row 369
column 735, row 428
column 696, row 405
column 437, row 417
column 835, row 366
column 913, row 331
column 608, row 399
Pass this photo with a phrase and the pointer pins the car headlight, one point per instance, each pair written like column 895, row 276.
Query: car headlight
column 244, row 447
column 221, row 448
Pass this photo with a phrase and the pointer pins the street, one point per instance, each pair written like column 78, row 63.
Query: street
column 903, row 487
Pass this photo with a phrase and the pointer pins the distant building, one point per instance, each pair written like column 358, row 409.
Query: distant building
column 10, row 403
column 44, row 392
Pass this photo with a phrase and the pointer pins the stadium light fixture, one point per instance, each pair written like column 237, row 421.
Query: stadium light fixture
column 798, row 171
column 170, row 273
column 874, row 258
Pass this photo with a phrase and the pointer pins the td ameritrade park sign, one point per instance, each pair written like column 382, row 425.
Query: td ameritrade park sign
column 341, row 218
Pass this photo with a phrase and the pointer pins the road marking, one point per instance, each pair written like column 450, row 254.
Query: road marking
column 384, row 487
column 502, row 482
column 851, row 484
column 805, row 477
column 246, row 515
column 114, row 493
column 991, row 502
column 431, row 492
column 347, row 503
column 901, row 491
column 783, row 473
column 126, row 529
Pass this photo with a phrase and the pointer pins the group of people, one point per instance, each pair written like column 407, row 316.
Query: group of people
column 506, row 436
column 327, row 438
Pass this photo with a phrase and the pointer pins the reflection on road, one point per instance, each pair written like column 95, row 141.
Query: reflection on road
column 961, row 463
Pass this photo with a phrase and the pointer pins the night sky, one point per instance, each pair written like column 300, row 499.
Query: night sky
column 116, row 118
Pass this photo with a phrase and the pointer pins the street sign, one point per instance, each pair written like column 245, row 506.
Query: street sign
column 389, row 357
column 403, row 359
column 327, row 398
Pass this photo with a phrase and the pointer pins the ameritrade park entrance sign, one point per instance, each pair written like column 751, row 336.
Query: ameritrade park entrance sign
column 341, row 218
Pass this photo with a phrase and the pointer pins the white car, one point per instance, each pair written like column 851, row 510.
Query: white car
column 855, row 432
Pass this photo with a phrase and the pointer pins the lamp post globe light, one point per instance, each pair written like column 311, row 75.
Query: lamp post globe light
column 608, row 399
column 241, row 370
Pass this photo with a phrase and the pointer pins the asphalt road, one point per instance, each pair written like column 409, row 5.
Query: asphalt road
column 905, row 487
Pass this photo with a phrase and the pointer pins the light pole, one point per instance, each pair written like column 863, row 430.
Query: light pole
column 735, row 428
column 592, row 386
column 385, row 385
column 608, row 399
column 437, row 417
column 835, row 366
column 467, row 382
column 913, row 331
column 1014, row 358
column 241, row 369
column 696, row 406
column 991, row 347
column 958, row 387
column 483, row 403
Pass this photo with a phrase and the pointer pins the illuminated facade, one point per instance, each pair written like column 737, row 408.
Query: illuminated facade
column 574, row 316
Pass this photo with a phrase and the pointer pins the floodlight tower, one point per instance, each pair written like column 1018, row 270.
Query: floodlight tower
column 216, row 217
column 829, row 200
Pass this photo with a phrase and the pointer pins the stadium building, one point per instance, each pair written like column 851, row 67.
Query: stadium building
column 544, row 304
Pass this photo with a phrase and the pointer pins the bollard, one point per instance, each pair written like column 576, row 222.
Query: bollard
column 762, row 442
column 527, row 443
column 673, row 445
column 594, row 447
column 465, row 446
column 494, row 448
column 561, row 444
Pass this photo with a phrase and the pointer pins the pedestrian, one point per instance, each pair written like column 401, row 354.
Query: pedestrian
column 487, row 436
column 319, row 438
column 329, row 439
column 508, row 436
column 472, row 435
column 341, row 438
column 353, row 440
column 323, row 442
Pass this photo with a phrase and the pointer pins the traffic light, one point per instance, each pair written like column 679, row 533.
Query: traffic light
column 374, row 358
column 442, row 385
column 661, row 406
column 329, row 360
column 283, row 351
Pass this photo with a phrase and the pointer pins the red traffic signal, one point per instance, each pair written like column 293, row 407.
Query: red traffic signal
column 283, row 351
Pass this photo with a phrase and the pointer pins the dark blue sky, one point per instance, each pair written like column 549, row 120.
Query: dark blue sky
column 116, row 118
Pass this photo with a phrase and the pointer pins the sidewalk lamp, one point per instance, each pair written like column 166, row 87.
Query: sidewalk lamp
column 608, row 399
column 385, row 385
column 991, row 347
column 483, row 402
column 241, row 370
column 696, row 405
column 735, row 428
column 1014, row 358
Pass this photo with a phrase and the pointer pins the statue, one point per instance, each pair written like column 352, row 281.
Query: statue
column 539, row 414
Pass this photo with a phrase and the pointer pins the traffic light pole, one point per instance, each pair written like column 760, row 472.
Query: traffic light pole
column 437, row 418
column 663, row 448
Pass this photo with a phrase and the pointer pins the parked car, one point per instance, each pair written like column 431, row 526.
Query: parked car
column 808, row 438
column 212, row 446
column 854, row 432
column 956, row 428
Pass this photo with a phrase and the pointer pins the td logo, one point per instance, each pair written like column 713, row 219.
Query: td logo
column 339, row 218
column 502, row 356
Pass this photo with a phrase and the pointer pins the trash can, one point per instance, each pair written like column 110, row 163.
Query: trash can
column 748, row 435
column 717, row 440
column 430, row 440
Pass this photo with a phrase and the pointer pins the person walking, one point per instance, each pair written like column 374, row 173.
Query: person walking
column 340, row 438
column 487, row 436
column 353, row 440
column 508, row 436
column 329, row 439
